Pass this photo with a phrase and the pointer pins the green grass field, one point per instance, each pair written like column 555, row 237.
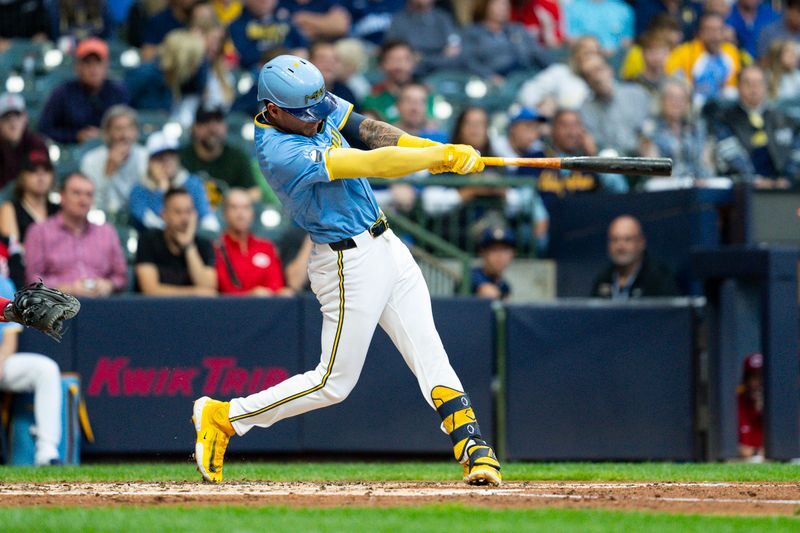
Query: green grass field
column 445, row 470
column 422, row 518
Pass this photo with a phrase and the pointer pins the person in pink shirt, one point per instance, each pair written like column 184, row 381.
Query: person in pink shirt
column 68, row 252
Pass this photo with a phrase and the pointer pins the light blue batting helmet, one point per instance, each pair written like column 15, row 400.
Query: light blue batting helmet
column 296, row 86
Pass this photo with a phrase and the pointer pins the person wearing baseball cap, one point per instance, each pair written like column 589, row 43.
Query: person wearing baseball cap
column 496, row 250
column 209, row 153
column 16, row 139
column 75, row 108
column 750, row 401
column 165, row 172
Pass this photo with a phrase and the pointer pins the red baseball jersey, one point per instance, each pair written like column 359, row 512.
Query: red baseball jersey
column 751, row 430
column 254, row 263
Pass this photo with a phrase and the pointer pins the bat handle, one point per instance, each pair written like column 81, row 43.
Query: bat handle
column 494, row 161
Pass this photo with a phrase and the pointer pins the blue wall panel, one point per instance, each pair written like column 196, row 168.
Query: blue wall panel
column 600, row 382
column 386, row 412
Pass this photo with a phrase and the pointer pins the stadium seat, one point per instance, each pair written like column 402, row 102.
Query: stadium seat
column 451, row 84
column 151, row 120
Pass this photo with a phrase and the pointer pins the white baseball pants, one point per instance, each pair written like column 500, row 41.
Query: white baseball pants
column 378, row 282
column 30, row 372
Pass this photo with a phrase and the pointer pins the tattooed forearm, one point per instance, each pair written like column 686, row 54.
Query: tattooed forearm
column 377, row 134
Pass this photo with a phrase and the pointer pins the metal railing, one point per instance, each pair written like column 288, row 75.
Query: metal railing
column 470, row 204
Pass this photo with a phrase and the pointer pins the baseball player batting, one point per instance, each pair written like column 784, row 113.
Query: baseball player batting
column 361, row 273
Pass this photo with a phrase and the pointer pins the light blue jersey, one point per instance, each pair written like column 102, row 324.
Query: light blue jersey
column 295, row 168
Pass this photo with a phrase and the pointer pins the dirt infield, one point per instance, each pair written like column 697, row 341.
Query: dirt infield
column 712, row 498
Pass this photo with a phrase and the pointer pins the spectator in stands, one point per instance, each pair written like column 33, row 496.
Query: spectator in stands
column 525, row 132
column 353, row 62
column 175, row 80
column 472, row 128
column 786, row 28
column 542, row 18
column 175, row 261
column 496, row 250
column 412, row 108
column 227, row 10
column 632, row 273
column 209, row 154
column 783, row 70
column 246, row 264
column 431, row 31
column 117, row 165
column 318, row 19
column 750, row 403
column 674, row 133
column 80, row 19
column 494, row 47
column 164, row 173
column 372, row 18
column 611, row 21
column 36, row 373
column 615, row 112
column 655, row 48
column 684, row 14
column 397, row 62
column 17, row 140
column 323, row 55
column 68, row 252
column 755, row 139
column 570, row 138
column 23, row 19
column 748, row 18
column 560, row 86
column 260, row 28
column 29, row 201
column 220, row 86
column 667, row 29
column 74, row 109
column 709, row 63
column 174, row 16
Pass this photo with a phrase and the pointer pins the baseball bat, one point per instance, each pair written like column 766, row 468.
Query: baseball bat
column 641, row 166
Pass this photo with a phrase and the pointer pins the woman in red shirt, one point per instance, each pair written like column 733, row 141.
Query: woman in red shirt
column 246, row 264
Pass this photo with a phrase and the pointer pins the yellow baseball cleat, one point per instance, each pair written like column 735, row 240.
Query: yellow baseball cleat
column 214, row 430
column 482, row 466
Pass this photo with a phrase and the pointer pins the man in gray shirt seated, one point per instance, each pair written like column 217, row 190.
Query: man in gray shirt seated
column 431, row 31
column 118, row 164
column 615, row 111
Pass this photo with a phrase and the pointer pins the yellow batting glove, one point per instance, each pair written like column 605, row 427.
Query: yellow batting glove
column 461, row 159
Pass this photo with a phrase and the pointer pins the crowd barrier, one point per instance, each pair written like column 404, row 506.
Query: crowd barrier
column 568, row 380
column 144, row 360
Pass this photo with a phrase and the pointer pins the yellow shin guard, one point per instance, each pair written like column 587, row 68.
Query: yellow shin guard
column 481, row 466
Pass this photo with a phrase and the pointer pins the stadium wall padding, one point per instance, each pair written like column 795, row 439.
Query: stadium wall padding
column 600, row 382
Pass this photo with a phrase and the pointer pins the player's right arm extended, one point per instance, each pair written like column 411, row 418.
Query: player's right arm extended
column 386, row 162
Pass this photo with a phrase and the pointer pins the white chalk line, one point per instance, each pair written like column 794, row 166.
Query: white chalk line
column 152, row 490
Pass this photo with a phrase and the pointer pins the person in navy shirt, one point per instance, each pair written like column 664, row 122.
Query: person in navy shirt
column 74, row 109
column 748, row 18
column 175, row 15
column 496, row 249
column 372, row 18
column 317, row 19
column 261, row 28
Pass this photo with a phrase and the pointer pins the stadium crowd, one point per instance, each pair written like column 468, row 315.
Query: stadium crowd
column 138, row 112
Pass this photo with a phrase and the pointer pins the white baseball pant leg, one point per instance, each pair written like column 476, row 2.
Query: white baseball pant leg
column 30, row 372
column 355, row 288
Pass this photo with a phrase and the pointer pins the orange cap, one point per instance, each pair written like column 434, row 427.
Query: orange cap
column 90, row 46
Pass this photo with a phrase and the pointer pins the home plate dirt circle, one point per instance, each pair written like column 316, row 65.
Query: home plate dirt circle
column 718, row 498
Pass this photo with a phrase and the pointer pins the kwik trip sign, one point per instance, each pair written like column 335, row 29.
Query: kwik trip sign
column 115, row 376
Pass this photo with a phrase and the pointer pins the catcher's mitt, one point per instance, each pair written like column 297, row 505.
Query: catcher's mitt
column 42, row 308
